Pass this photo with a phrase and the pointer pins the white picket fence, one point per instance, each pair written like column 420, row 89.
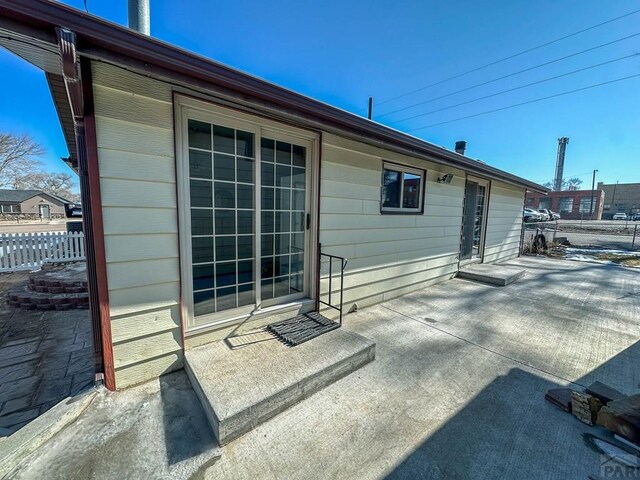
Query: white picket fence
column 28, row 251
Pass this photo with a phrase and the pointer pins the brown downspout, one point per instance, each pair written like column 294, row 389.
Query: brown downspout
column 80, row 95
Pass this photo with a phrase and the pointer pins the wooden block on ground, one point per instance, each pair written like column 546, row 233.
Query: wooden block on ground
column 604, row 392
column 622, row 417
column 560, row 397
column 585, row 407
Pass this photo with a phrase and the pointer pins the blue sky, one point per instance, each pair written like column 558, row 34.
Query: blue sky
column 342, row 52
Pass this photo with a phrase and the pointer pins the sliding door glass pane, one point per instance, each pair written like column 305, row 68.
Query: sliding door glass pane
column 222, row 186
column 282, row 193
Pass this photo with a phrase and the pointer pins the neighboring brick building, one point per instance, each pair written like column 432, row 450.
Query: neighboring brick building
column 570, row 204
column 620, row 198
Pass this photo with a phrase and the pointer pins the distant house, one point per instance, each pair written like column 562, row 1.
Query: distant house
column 31, row 204
column 209, row 194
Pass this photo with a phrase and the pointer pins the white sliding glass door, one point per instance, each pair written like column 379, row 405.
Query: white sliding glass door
column 245, row 217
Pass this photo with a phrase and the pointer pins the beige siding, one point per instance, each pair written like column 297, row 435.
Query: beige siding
column 134, row 116
column 32, row 205
column 389, row 255
column 504, row 222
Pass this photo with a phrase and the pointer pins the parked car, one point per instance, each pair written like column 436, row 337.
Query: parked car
column 620, row 216
column 550, row 215
column 531, row 215
column 636, row 217
column 73, row 210
column 543, row 216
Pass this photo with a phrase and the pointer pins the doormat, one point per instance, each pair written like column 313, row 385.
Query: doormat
column 302, row 328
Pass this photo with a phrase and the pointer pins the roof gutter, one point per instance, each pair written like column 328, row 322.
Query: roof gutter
column 101, row 39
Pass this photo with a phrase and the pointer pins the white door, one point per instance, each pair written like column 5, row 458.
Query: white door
column 473, row 220
column 45, row 211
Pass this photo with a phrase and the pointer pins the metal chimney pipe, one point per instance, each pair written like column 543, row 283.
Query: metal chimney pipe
column 139, row 18
column 461, row 146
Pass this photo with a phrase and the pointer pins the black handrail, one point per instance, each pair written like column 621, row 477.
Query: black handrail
column 343, row 264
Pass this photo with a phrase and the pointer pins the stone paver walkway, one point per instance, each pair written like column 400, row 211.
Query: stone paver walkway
column 44, row 357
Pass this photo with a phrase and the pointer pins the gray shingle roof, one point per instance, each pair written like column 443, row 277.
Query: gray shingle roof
column 17, row 196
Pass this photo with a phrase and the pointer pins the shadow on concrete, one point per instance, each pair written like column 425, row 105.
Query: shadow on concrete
column 508, row 430
column 186, row 429
column 494, row 435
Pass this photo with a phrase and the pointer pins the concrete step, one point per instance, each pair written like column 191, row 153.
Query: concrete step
column 242, row 382
column 490, row 273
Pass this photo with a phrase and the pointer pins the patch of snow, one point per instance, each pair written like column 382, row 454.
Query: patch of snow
column 599, row 251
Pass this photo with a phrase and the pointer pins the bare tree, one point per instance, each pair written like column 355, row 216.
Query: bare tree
column 571, row 184
column 57, row 183
column 18, row 158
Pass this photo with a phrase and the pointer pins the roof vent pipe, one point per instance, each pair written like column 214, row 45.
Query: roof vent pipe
column 461, row 146
column 139, row 16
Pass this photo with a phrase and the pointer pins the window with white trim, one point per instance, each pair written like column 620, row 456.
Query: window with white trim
column 10, row 208
column 402, row 189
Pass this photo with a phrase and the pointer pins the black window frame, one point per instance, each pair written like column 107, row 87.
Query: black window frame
column 402, row 169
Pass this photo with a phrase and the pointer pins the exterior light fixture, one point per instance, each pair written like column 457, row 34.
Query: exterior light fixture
column 446, row 178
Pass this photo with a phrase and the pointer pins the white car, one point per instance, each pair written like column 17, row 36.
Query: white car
column 620, row 216
column 550, row 215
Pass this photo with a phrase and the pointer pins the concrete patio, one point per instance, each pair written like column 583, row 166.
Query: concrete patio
column 456, row 392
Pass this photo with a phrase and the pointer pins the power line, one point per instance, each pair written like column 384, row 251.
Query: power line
column 573, row 175
column 511, row 74
column 518, row 88
column 509, row 57
column 526, row 103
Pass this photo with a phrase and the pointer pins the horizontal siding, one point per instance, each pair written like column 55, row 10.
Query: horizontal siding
column 139, row 349
column 130, row 136
column 134, row 127
column 128, row 302
column 106, row 75
column 129, row 248
column 135, row 166
column 143, row 194
column 388, row 254
column 504, row 223
column 147, row 324
column 133, row 220
column 142, row 272
column 129, row 375
column 118, row 105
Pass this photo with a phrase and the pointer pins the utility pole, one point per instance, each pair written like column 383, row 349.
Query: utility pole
column 370, row 114
column 593, row 185
column 562, row 148
column 613, row 198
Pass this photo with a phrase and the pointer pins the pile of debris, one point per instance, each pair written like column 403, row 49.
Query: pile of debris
column 603, row 406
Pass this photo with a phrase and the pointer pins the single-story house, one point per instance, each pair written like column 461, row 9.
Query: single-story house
column 31, row 204
column 209, row 193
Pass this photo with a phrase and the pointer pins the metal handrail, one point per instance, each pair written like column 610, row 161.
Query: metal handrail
column 343, row 264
